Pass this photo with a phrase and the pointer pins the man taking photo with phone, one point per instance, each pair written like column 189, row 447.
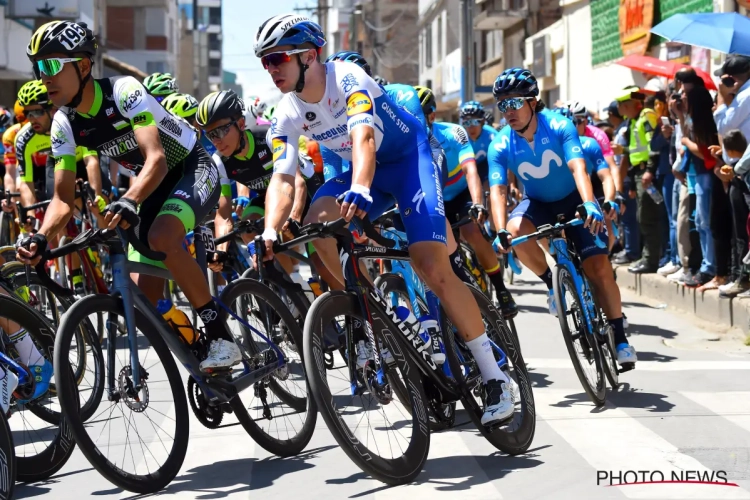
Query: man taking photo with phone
column 733, row 105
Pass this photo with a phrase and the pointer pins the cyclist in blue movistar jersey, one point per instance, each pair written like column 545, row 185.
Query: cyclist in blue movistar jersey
column 544, row 151
column 602, row 183
column 464, row 196
column 346, row 111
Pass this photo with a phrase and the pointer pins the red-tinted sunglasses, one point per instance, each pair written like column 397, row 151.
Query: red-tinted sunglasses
column 279, row 58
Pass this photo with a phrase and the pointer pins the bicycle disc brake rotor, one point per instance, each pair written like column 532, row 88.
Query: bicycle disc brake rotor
column 209, row 416
column 137, row 401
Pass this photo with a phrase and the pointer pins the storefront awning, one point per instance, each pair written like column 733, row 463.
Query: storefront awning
column 122, row 68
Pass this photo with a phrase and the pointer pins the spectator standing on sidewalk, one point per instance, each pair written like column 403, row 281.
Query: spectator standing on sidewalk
column 642, row 171
column 733, row 100
column 629, row 219
column 663, row 144
column 735, row 148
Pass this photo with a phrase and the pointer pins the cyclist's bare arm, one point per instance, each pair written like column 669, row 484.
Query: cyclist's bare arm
column 605, row 175
column 9, row 181
column 28, row 193
column 300, row 197
column 474, row 182
column 93, row 170
column 279, row 200
column 499, row 205
column 154, row 165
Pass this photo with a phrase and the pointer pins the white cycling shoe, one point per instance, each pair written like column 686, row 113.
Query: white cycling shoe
column 221, row 354
column 498, row 403
column 626, row 354
column 551, row 303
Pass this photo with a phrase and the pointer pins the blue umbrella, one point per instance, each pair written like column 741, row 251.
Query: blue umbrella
column 726, row 32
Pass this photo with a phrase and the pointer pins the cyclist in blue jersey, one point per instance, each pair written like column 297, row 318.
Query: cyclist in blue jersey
column 473, row 117
column 603, row 183
column 464, row 196
column 346, row 111
column 544, row 151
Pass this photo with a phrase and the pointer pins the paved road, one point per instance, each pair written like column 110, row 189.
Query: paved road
column 686, row 408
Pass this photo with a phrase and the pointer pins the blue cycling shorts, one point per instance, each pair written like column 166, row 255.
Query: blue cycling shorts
column 541, row 213
column 414, row 183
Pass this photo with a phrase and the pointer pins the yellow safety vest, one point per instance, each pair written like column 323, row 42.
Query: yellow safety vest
column 640, row 136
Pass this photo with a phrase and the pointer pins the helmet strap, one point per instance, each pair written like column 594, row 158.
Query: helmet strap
column 242, row 143
column 528, row 124
column 76, row 101
column 301, row 81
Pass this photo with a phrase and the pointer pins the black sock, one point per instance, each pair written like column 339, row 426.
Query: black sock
column 496, row 278
column 215, row 327
column 546, row 276
column 619, row 331
column 457, row 264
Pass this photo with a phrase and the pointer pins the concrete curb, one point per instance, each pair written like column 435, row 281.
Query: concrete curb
column 705, row 305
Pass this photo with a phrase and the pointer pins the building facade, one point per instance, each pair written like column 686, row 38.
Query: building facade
column 143, row 33
column 200, row 39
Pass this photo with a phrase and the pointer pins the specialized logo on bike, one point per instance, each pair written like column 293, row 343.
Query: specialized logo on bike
column 411, row 335
column 527, row 170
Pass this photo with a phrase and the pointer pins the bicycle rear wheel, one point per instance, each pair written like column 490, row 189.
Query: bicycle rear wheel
column 517, row 435
column 146, row 414
column 410, row 442
column 583, row 347
column 284, row 424
column 7, row 460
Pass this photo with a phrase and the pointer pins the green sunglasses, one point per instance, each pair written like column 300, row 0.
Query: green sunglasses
column 52, row 66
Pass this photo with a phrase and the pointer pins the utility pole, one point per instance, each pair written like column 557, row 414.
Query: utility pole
column 376, row 37
column 468, row 64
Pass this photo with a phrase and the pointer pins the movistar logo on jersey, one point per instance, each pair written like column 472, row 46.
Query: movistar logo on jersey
column 120, row 146
column 331, row 133
column 527, row 170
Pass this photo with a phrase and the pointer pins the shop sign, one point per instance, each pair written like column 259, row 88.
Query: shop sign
column 636, row 18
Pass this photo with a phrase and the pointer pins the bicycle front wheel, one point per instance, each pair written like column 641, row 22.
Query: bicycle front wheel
column 7, row 460
column 395, row 446
column 583, row 347
column 152, row 411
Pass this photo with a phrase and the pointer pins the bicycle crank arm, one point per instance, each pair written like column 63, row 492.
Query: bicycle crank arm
column 626, row 367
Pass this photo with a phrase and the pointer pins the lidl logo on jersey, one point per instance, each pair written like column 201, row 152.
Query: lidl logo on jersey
column 279, row 148
column 358, row 102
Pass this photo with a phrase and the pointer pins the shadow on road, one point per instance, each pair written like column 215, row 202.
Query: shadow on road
column 31, row 490
column 654, row 356
column 230, row 477
column 623, row 397
column 539, row 380
column 650, row 330
column 439, row 472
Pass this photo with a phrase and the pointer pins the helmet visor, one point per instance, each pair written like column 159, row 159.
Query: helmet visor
column 512, row 103
column 51, row 67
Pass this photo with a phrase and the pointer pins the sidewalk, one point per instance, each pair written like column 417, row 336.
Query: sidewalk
column 707, row 306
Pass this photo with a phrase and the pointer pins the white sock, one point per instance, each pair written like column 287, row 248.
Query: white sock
column 481, row 349
column 28, row 354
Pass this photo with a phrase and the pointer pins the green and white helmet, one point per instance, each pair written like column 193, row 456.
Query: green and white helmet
column 160, row 85
column 182, row 105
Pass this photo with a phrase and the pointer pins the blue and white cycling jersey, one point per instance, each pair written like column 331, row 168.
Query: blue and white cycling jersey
column 482, row 144
column 458, row 151
column 352, row 99
column 541, row 166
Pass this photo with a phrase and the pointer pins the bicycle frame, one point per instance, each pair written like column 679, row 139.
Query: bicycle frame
column 133, row 298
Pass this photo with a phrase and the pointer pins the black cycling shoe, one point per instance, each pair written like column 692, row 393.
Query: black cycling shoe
column 507, row 304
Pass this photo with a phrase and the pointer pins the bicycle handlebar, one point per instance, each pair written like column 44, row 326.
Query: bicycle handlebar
column 245, row 226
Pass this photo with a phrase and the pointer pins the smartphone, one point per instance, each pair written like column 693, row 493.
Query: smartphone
column 665, row 121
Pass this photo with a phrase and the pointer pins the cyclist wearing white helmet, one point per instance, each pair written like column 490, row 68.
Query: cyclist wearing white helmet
column 345, row 110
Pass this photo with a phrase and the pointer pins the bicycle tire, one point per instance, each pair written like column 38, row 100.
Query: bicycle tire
column 608, row 349
column 516, row 437
column 395, row 471
column 67, row 393
column 46, row 463
column 562, row 279
column 85, row 337
column 287, row 447
column 7, row 461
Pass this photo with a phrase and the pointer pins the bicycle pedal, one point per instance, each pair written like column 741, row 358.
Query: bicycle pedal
column 497, row 425
column 626, row 367
column 217, row 372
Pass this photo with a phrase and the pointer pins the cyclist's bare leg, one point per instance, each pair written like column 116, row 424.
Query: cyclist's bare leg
column 482, row 248
column 325, row 274
column 151, row 286
column 530, row 254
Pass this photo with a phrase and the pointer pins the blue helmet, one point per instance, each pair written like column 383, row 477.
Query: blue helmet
column 288, row 29
column 566, row 112
column 515, row 81
column 380, row 80
column 354, row 57
column 472, row 109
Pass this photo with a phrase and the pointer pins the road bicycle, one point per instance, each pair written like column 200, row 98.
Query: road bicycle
column 588, row 335
column 271, row 365
column 369, row 322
